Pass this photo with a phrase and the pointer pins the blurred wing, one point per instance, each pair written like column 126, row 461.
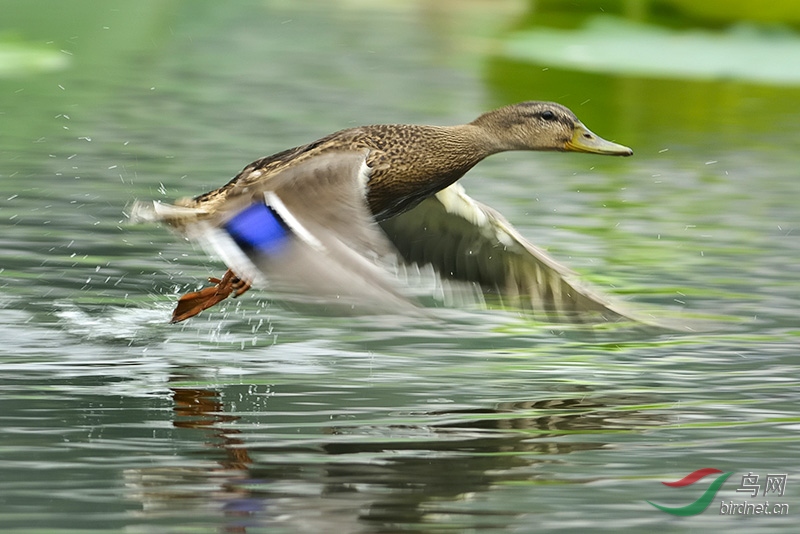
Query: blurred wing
column 465, row 240
column 306, row 232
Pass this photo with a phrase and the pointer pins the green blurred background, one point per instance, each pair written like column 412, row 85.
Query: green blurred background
column 253, row 417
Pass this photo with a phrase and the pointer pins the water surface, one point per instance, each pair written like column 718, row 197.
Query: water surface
column 255, row 417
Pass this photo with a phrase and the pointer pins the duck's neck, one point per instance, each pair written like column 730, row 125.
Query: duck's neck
column 437, row 158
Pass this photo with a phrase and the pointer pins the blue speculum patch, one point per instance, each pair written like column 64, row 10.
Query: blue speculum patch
column 258, row 228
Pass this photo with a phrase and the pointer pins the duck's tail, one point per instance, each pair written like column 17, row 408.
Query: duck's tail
column 156, row 211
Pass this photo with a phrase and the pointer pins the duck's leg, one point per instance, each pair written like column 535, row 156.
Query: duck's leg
column 239, row 285
column 193, row 303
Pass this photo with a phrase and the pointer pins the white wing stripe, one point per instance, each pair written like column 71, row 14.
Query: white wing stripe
column 277, row 204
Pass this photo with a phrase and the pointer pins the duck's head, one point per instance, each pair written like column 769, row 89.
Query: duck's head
column 543, row 126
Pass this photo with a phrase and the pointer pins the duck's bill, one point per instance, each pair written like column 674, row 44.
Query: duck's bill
column 584, row 140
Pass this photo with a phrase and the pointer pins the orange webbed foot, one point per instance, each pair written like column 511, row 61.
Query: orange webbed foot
column 193, row 303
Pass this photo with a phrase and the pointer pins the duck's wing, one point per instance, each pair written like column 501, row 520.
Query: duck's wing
column 305, row 232
column 465, row 240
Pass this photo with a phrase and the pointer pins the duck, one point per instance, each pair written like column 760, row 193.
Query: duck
column 331, row 221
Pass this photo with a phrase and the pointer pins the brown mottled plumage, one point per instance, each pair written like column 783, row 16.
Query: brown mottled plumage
column 410, row 162
column 407, row 165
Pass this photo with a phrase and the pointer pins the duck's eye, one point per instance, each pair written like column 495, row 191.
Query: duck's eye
column 548, row 115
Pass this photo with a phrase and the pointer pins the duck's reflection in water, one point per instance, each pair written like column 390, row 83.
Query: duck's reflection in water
column 355, row 477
